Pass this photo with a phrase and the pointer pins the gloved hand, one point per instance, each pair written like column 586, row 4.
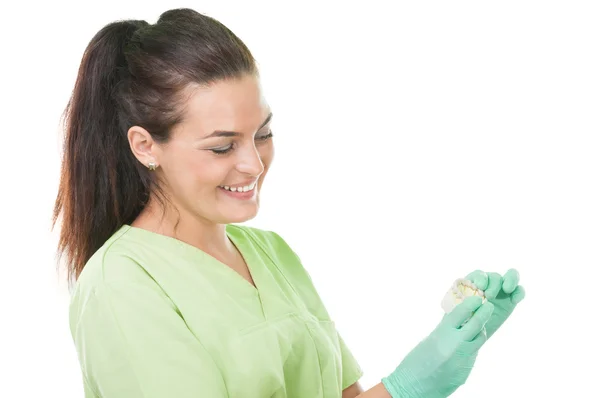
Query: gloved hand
column 504, row 292
column 442, row 362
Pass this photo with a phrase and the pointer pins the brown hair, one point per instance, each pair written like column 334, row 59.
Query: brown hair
column 131, row 73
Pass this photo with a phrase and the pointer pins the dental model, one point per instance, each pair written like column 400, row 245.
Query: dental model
column 461, row 289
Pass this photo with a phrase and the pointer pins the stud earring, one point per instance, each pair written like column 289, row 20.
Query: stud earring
column 152, row 166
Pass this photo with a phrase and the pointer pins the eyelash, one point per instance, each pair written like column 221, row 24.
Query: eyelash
column 230, row 147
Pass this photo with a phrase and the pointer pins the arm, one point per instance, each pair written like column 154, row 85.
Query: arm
column 132, row 343
column 355, row 391
column 350, row 368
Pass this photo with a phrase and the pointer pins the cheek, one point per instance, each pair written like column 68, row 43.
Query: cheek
column 208, row 173
column 191, row 174
column 266, row 155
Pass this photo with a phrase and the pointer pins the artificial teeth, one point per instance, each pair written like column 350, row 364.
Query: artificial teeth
column 460, row 289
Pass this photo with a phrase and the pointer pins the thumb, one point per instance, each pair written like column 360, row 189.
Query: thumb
column 463, row 311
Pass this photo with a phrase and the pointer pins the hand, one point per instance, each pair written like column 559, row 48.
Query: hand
column 504, row 292
column 442, row 362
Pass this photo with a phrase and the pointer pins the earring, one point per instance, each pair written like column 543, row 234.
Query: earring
column 152, row 166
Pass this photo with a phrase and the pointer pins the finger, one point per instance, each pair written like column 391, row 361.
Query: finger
column 510, row 281
column 494, row 285
column 479, row 340
column 517, row 295
column 479, row 278
column 463, row 311
column 477, row 322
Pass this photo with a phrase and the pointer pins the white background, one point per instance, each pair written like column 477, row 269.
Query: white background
column 415, row 142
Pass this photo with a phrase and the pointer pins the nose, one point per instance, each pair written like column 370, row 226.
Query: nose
column 250, row 161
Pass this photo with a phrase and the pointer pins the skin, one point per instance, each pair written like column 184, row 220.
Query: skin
column 191, row 174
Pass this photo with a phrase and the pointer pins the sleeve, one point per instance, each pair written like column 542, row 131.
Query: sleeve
column 131, row 342
column 303, row 283
column 351, row 370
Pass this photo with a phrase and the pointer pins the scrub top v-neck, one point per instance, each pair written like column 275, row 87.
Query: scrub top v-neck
column 152, row 316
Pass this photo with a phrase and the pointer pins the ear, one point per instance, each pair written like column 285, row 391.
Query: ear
column 144, row 148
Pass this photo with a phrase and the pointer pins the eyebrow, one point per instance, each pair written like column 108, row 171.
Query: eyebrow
column 224, row 133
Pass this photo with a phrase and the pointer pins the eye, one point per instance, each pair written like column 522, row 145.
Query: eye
column 222, row 151
column 229, row 148
column 265, row 137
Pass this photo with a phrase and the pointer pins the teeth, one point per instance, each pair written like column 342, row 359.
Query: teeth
column 461, row 289
column 239, row 189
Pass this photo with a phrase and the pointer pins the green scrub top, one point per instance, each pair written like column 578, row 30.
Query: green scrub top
column 152, row 316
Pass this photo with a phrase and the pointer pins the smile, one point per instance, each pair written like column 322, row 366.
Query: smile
column 245, row 188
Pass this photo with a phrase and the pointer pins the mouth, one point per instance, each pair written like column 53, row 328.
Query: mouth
column 239, row 188
column 243, row 192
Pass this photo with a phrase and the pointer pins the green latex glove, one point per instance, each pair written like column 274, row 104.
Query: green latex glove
column 504, row 292
column 442, row 362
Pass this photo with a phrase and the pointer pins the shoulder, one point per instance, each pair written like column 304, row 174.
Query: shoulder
column 112, row 263
column 114, row 275
column 111, row 268
column 270, row 241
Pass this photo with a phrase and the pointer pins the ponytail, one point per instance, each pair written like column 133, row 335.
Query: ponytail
column 97, row 162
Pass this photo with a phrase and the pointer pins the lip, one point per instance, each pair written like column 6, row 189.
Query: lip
column 240, row 195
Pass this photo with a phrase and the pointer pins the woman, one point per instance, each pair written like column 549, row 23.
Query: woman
column 168, row 143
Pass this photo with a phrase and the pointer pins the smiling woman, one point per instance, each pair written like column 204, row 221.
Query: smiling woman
column 201, row 163
column 168, row 143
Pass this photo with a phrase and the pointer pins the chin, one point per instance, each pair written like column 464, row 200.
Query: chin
column 239, row 219
column 239, row 216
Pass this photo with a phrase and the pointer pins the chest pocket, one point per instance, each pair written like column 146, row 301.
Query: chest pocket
column 295, row 356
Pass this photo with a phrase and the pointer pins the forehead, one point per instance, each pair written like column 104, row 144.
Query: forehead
column 234, row 105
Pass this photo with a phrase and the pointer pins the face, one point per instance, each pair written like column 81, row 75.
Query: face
column 215, row 163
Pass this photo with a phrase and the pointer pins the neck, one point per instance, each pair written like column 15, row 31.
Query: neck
column 207, row 236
